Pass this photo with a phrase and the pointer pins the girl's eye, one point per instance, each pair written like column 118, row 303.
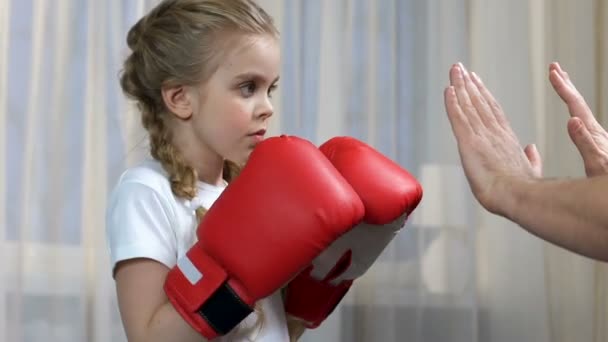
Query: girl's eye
column 248, row 89
column 271, row 90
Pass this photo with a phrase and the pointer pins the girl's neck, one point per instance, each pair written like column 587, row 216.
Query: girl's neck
column 208, row 164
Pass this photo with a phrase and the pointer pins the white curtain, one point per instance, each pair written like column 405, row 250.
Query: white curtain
column 370, row 69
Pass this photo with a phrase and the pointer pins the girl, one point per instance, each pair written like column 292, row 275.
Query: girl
column 202, row 73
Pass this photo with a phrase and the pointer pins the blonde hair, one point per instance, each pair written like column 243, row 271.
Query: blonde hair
column 176, row 43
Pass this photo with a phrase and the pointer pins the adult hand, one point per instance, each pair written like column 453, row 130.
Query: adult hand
column 491, row 154
column 586, row 133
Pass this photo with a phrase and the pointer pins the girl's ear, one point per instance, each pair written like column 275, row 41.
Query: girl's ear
column 178, row 100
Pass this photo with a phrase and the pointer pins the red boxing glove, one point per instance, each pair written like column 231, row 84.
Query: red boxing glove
column 288, row 204
column 389, row 194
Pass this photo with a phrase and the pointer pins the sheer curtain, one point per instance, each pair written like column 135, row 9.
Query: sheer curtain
column 370, row 69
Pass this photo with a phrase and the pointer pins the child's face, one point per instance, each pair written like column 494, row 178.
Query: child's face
column 232, row 108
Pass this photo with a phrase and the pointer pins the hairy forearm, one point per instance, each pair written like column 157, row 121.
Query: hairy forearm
column 572, row 214
column 168, row 325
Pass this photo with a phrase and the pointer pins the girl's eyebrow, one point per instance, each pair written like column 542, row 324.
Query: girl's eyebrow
column 255, row 76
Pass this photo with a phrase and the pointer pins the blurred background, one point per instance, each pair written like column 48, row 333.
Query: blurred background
column 374, row 70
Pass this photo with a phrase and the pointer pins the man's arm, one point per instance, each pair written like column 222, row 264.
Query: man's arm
column 571, row 213
column 506, row 179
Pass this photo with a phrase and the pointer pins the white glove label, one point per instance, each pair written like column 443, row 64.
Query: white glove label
column 189, row 270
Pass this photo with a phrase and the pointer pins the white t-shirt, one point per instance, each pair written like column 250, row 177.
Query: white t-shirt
column 145, row 220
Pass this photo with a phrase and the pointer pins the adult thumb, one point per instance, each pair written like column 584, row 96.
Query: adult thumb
column 580, row 136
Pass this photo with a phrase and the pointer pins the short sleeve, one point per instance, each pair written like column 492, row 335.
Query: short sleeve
column 138, row 225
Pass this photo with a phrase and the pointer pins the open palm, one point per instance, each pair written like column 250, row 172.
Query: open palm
column 590, row 138
column 490, row 152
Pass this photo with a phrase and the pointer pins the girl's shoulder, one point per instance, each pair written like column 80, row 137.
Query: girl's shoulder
column 149, row 173
column 142, row 183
